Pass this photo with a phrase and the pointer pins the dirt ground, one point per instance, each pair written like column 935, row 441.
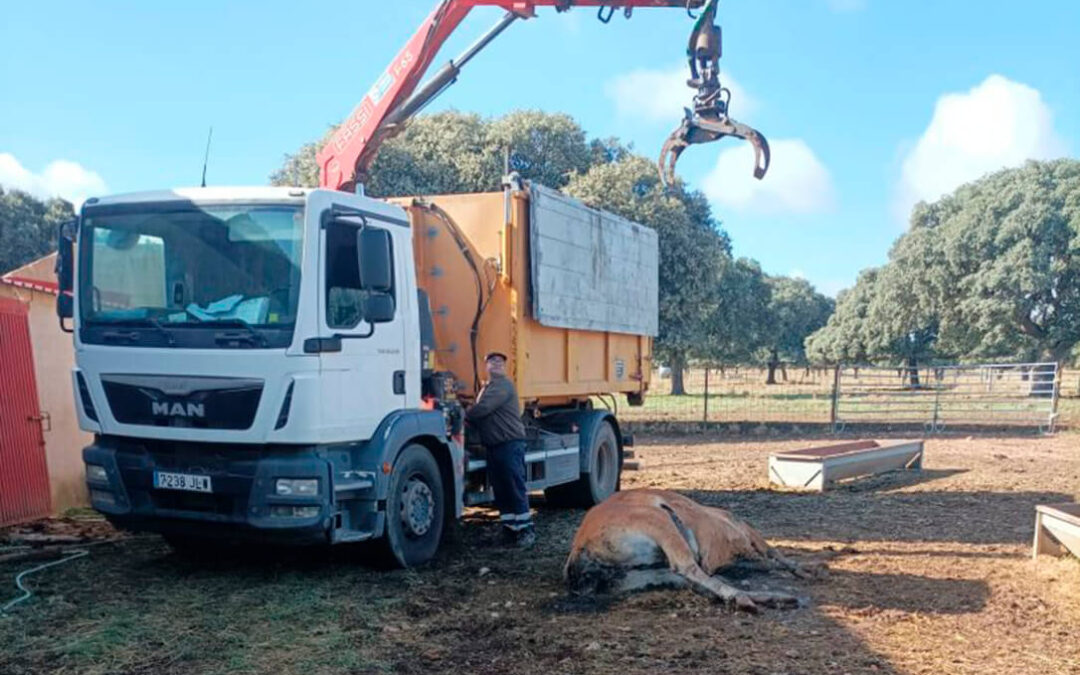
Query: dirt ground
column 930, row 573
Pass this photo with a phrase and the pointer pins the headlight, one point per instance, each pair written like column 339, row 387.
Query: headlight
column 297, row 487
column 95, row 473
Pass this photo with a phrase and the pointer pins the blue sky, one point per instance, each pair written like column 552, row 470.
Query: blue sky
column 869, row 104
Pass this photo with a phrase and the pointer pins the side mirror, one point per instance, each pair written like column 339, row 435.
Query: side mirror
column 65, row 307
column 375, row 257
column 65, row 255
column 379, row 308
column 65, row 271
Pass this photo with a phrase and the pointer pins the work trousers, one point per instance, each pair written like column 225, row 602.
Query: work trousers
column 506, row 473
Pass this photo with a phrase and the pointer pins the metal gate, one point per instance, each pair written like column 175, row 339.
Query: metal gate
column 996, row 394
column 24, row 476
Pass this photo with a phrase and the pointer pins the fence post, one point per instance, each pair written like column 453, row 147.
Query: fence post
column 1059, row 376
column 835, row 395
column 937, row 404
column 706, row 418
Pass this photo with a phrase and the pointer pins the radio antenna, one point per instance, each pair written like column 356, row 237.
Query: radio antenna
column 206, row 157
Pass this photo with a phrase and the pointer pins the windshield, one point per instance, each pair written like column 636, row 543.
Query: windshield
column 169, row 272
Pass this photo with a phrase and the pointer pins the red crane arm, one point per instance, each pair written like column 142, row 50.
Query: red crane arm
column 345, row 158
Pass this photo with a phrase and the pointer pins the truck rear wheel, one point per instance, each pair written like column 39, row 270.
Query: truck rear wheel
column 414, row 509
column 602, row 478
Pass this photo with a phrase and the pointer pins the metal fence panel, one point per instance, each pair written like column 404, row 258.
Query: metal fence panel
column 737, row 394
column 1022, row 394
column 988, row 395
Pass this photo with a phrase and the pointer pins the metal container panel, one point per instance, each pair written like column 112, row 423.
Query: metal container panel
column 591, row 270
column 24, row 476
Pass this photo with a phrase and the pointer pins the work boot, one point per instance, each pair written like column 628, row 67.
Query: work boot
column 507, row 536
column 525, row 537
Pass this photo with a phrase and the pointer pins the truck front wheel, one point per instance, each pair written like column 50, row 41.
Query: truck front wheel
column 602, row 478
column 414, row 509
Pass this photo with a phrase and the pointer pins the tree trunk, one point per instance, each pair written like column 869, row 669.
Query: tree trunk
column 783, row 371
column 678, row 365
column 774, row 363
column 913, row 372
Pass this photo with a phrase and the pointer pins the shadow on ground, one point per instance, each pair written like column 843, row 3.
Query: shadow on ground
column 980, row 517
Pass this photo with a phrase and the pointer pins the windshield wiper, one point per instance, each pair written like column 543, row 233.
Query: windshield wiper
column 131, row 336
column 250, row 334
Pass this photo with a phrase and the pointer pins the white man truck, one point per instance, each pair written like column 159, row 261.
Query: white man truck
column 290, row 365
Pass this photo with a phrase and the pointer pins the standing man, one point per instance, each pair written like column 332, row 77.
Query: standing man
column 497, row 416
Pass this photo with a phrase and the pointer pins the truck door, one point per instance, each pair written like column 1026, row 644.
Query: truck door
column 363, row 370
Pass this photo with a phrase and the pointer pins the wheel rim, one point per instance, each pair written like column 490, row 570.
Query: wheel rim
column 417, row 507
column 606, row 467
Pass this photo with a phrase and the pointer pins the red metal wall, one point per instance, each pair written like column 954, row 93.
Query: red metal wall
column 24, row 476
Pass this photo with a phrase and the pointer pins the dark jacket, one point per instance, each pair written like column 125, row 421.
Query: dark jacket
column 496, row 414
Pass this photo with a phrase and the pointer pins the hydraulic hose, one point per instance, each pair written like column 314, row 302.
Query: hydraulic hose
column 481, row 302
column 26, row 594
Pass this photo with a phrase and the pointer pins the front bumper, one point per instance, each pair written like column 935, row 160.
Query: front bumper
column 243, row 504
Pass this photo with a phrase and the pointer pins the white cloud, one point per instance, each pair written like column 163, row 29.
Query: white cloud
column 995, row 125
column 846, row 5
column 659, row 95
column 797, row 181
column 60, row 178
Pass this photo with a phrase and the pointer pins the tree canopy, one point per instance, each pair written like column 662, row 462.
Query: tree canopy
column 28, row 227
column 989, row 271
column 794, row 311
column 453, row 152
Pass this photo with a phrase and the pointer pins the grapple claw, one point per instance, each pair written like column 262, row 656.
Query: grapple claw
column 708, row 121
column 696, row 129
column 670, row 153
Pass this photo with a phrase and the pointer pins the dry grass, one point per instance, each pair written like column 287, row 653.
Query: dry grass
column 930, row 574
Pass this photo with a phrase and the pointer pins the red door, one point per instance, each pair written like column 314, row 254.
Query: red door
column 24, row 477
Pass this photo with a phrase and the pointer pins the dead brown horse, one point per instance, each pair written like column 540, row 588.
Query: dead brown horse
column 642, row 539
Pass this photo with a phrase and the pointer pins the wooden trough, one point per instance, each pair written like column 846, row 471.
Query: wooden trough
column 818, row 468
column 1057, row 530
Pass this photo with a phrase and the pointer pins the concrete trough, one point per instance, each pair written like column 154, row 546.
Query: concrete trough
column 1057, row 530
column 819, row 467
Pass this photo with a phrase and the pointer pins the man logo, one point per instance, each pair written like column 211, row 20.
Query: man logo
column 179, row 409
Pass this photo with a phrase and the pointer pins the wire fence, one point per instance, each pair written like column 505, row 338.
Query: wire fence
column 1031, row 395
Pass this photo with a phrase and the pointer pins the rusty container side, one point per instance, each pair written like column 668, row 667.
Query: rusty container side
column 550, row 366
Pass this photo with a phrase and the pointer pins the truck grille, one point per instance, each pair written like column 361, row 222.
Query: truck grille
column 190, row 402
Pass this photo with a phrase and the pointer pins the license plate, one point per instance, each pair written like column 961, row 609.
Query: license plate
column 164, row 480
